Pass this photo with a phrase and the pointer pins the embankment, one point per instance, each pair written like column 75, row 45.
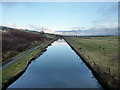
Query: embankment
column 104, row 77
column 14, row 76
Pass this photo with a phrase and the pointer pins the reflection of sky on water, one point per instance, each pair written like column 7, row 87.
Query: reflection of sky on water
column 58, row 67
column 60, row 41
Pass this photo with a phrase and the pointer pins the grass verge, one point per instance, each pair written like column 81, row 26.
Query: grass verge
column 16, row 69
column 101, row 54
column 20, row 53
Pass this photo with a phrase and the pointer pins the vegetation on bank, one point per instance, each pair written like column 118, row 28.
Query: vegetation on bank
column 17, row 67
column 16, row 41
column 99, row 52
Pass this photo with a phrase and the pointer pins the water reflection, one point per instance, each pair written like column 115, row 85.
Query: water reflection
column 60, row 41
column 58, row 67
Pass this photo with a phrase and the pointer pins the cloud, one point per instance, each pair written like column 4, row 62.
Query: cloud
column 108, row 17
column 106, row 24
column 29, row 27
column 91, row 32
column 71, row 31
column 76, row 28
column 37, row 27
column 13, row 25
column 105, row 20
column 113, row 9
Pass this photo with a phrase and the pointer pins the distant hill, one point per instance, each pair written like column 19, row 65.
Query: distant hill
column 91, row 32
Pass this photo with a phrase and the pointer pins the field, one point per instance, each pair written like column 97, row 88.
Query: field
column 102, row 51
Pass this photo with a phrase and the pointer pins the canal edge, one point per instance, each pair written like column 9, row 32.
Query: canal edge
column 19, row 74
column 101, row 76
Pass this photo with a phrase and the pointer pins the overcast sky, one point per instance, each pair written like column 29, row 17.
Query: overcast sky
column 55, row 17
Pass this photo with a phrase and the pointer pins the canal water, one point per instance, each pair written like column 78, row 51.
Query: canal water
column 58, row 67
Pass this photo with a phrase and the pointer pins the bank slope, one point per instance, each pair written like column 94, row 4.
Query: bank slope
column 101, row 55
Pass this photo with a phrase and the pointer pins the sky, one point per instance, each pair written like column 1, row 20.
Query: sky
column 69, row 18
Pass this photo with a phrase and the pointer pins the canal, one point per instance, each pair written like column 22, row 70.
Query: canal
column 58, row 67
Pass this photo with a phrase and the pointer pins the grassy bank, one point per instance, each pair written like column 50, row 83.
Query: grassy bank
column 16, row 69
column 16, row 41
column 20, row 53
column 101, row 54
